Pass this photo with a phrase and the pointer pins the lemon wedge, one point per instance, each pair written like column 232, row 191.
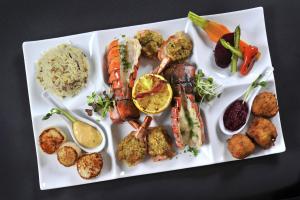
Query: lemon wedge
column 151, row 93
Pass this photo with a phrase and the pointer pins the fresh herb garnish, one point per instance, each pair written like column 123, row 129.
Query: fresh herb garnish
column 253, row 85
column 193, row 150
column 123, row 54
column 100, row 102
column 47, row 116
column 206, row 87
column 59, row 112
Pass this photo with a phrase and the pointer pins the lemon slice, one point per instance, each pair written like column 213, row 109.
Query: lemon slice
column 152, row 93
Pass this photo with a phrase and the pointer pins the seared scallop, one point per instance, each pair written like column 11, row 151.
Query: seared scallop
column 51, row 139
column 265, row 105
column 240, row 146
column 68, row 153
column 89, row 165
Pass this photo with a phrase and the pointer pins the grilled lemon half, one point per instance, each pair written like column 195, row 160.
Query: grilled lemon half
column 152, row 93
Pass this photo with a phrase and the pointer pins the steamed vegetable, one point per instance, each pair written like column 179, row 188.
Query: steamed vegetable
column 213, row 29
column 222, row 54
column 215, row 32
column 234, row 58
column 233, row 50
column 250, row 55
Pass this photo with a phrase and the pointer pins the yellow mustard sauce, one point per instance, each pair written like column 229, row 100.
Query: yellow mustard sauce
column 86, row 135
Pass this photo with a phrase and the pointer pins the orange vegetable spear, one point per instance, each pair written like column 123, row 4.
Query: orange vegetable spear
column 213, row 29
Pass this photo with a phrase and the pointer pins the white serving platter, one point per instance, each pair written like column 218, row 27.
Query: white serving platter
column 53, row 175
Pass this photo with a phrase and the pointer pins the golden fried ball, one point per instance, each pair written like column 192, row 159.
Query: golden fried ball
column 265, row 105
column 263, row 132
column 240, row 146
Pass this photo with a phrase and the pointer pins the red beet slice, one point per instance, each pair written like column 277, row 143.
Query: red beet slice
column 223, row 55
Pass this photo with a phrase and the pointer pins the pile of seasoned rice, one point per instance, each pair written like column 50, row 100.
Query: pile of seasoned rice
column 63, row 70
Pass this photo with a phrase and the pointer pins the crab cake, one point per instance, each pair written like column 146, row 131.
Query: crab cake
column 150, row 42
column 265, row 105
column 131, row 150
column 89, row 165
column 263, row 132
column 240, row 146
column 68, row 153
column 51, row 139
column 159, row 144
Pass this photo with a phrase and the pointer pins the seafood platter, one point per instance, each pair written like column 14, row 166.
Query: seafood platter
column 151, row 98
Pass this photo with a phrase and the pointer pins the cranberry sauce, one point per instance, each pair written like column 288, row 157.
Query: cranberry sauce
column 235, row 115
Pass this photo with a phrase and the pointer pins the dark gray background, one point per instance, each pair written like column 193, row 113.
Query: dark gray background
column 270, row 177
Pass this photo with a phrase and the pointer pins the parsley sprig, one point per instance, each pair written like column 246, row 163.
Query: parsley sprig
column 101, row 103
column 193, row 150
column 124, row 55
column 60, row 111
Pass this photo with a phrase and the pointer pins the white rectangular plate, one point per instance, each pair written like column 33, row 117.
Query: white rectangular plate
column 54, row 175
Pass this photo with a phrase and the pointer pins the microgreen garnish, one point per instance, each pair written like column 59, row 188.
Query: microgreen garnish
column 100, row 102
column 59, row 112
column 253, row 85
column 47, row 116
column 51, row 112
column 206, row 87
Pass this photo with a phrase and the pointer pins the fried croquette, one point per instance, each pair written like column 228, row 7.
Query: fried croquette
column 263, row 132
column 265, row 105
column 240, row 146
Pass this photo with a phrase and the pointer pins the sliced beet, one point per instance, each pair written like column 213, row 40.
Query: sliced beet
column 223, row 55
